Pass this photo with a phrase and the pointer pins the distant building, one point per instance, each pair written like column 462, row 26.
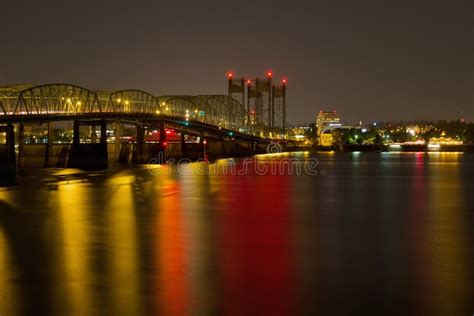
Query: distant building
column 326, row 139
column 300, row 133
column 326, row 122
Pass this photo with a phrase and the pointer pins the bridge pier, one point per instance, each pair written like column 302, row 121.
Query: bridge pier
column 144, row 151
column 89, row 156
column 140, row 144
column 219, row 148
column 21, row 145
column 162, row 145
column 118, row 141
column 189, row 150
column 7, row 157
column 202, row 146
column 49, row 145
column 183, row 147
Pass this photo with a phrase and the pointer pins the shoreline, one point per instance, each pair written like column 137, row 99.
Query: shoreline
column 386, row 148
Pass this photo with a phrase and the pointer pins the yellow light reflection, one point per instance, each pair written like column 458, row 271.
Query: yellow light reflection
column 75, row 242
column 170, row 249
column 122, row 261
column 448, row 240
column 197, row 227
column 8, row 295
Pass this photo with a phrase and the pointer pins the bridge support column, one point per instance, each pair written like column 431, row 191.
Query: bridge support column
column 89, row 156
column 202, row 147
column 118, row 141
column 49, row 146
column 140, row 144
column 7, row 157
column 162, row 145
column 21, row 145
column 75, row 135
column 103, row 132
column 183, row 145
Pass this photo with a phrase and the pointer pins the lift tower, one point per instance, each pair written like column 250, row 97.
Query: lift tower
column 279, row 106
column 236, row 90
column 259, row 100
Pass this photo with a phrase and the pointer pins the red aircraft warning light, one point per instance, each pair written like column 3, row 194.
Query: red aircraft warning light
column 230, row 74
column 269, row 74
column 284, row 81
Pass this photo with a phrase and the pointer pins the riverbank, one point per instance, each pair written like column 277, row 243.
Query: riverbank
column 398, row 148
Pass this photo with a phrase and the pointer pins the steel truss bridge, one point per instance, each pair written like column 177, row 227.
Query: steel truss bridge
column 221, row 115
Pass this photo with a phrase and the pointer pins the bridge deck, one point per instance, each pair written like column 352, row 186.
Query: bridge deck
column 135, row 118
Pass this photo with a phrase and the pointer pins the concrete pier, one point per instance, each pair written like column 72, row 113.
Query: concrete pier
column 91, row 156
column 7, row 157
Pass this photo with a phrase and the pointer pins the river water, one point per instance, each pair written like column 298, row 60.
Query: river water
column 356, row 233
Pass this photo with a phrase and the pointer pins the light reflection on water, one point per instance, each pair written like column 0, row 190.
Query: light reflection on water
column 447, row 237
column 386, row 233
column 73, row 244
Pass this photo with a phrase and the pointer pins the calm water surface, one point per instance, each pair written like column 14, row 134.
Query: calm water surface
column 372, row 233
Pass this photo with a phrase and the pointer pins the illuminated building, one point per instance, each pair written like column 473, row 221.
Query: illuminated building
column 326, row 139
column 326, row 122
column 299, row 133
column 445, row 141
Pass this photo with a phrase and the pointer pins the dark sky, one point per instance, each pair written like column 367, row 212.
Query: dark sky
column 377, row 60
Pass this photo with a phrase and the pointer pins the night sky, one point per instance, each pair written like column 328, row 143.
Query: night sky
column 370, row 61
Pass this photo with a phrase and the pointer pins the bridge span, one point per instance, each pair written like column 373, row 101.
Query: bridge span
column 207, row 125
